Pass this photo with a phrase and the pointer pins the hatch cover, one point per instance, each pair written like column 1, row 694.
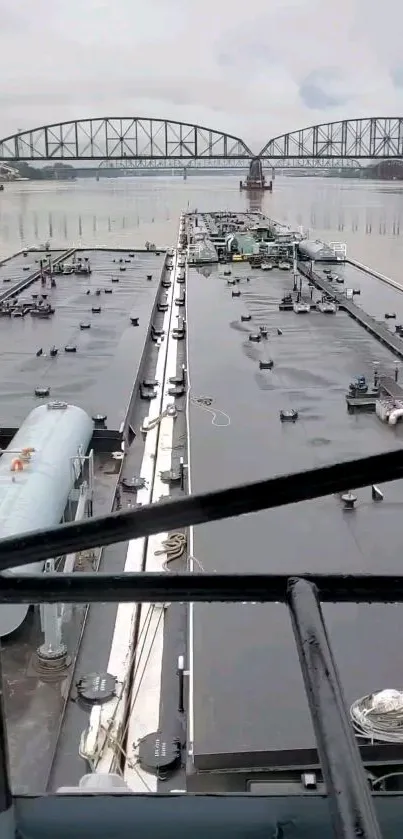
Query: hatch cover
column 159, row 753
column 97, row 687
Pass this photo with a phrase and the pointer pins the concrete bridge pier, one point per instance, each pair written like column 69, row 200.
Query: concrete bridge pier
column 255, row 179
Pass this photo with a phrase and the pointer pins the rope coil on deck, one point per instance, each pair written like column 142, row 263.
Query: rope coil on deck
column 205, row 403
column 379, row 716
column 174, row 547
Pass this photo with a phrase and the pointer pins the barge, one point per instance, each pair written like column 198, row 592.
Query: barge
column 192, row 384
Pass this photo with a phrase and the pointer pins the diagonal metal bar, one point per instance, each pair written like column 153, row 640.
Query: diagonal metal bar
column 351, row 808
column 202, row 588
column 192, row 510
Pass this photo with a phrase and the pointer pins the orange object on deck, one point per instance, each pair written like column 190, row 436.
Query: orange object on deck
column 17, row 465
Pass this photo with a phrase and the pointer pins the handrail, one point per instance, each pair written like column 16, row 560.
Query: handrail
column 200, row 509
column 202, row 588
column 351, row 806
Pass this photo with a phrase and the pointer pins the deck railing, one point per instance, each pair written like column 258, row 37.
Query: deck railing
column 351, row 803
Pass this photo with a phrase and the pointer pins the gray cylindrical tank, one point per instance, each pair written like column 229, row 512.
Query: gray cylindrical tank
column 315, row 250
column 36, row 496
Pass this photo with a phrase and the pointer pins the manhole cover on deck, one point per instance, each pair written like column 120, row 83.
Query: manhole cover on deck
column 159, row 753
column 97, row 687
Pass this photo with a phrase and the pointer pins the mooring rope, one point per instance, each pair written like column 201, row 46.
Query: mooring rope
column 205, row 403
column 174, row 547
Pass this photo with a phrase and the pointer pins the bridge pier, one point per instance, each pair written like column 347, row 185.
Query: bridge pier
column 255, row 179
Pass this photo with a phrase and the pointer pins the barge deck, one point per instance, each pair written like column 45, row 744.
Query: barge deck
column 102, row 368
column 247, row 699
column 246, row 710
column 44, row 718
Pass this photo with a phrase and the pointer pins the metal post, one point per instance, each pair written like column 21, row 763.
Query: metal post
column 53, row 651
column 7, row 830
column 350, row 800
column 181, row 678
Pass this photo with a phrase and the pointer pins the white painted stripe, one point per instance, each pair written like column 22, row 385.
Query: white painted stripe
column 146, row 691
column 98, row 743
column 190, row 719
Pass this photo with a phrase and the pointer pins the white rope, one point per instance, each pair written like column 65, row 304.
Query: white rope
column 150, row 424
column 205, row 403
column 379, row 716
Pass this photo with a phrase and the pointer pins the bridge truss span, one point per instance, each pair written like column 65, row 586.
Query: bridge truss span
column 134, row 138
column 369, row 138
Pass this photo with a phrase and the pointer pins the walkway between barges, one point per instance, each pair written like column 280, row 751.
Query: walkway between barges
column 378, row 330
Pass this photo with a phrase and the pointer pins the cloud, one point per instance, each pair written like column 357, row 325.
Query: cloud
column 319, row 90
column 397, row 76
column 255, row 70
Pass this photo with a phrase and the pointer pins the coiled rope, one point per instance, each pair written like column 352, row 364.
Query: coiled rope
column 174, row 547
column 205, row 403
column 379, row 716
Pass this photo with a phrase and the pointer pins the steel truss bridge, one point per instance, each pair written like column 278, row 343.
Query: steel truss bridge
column 137, row 138
column 165, row 164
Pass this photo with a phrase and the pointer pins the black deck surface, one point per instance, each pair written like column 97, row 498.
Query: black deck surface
column 99, row 377
column 248, row 694
column 107, row 364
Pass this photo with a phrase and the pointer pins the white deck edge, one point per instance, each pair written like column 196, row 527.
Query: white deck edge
column 145, row 700
column 98, row 742
column 382, row 277
column 190, row 627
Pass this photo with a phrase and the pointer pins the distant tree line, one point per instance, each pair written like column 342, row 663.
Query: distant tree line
column 58, row 171
column 385, row 170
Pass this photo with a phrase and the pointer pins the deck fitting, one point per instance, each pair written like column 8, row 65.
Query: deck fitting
column 147, row 393
column 349, row 500
column 96, row 688
column 177, row 390
column 133, row 484
column 159, row 754
column 289, row 416
column 99, row 420
column 376, row 493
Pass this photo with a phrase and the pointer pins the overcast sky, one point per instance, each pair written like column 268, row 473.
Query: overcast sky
column 254, row 68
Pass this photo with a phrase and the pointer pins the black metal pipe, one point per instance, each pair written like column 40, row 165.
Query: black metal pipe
column 5, row 787
column 192, row 510
column 156, row 588
column 349, row 796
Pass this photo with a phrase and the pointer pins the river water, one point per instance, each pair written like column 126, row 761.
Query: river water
column 367, row 216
